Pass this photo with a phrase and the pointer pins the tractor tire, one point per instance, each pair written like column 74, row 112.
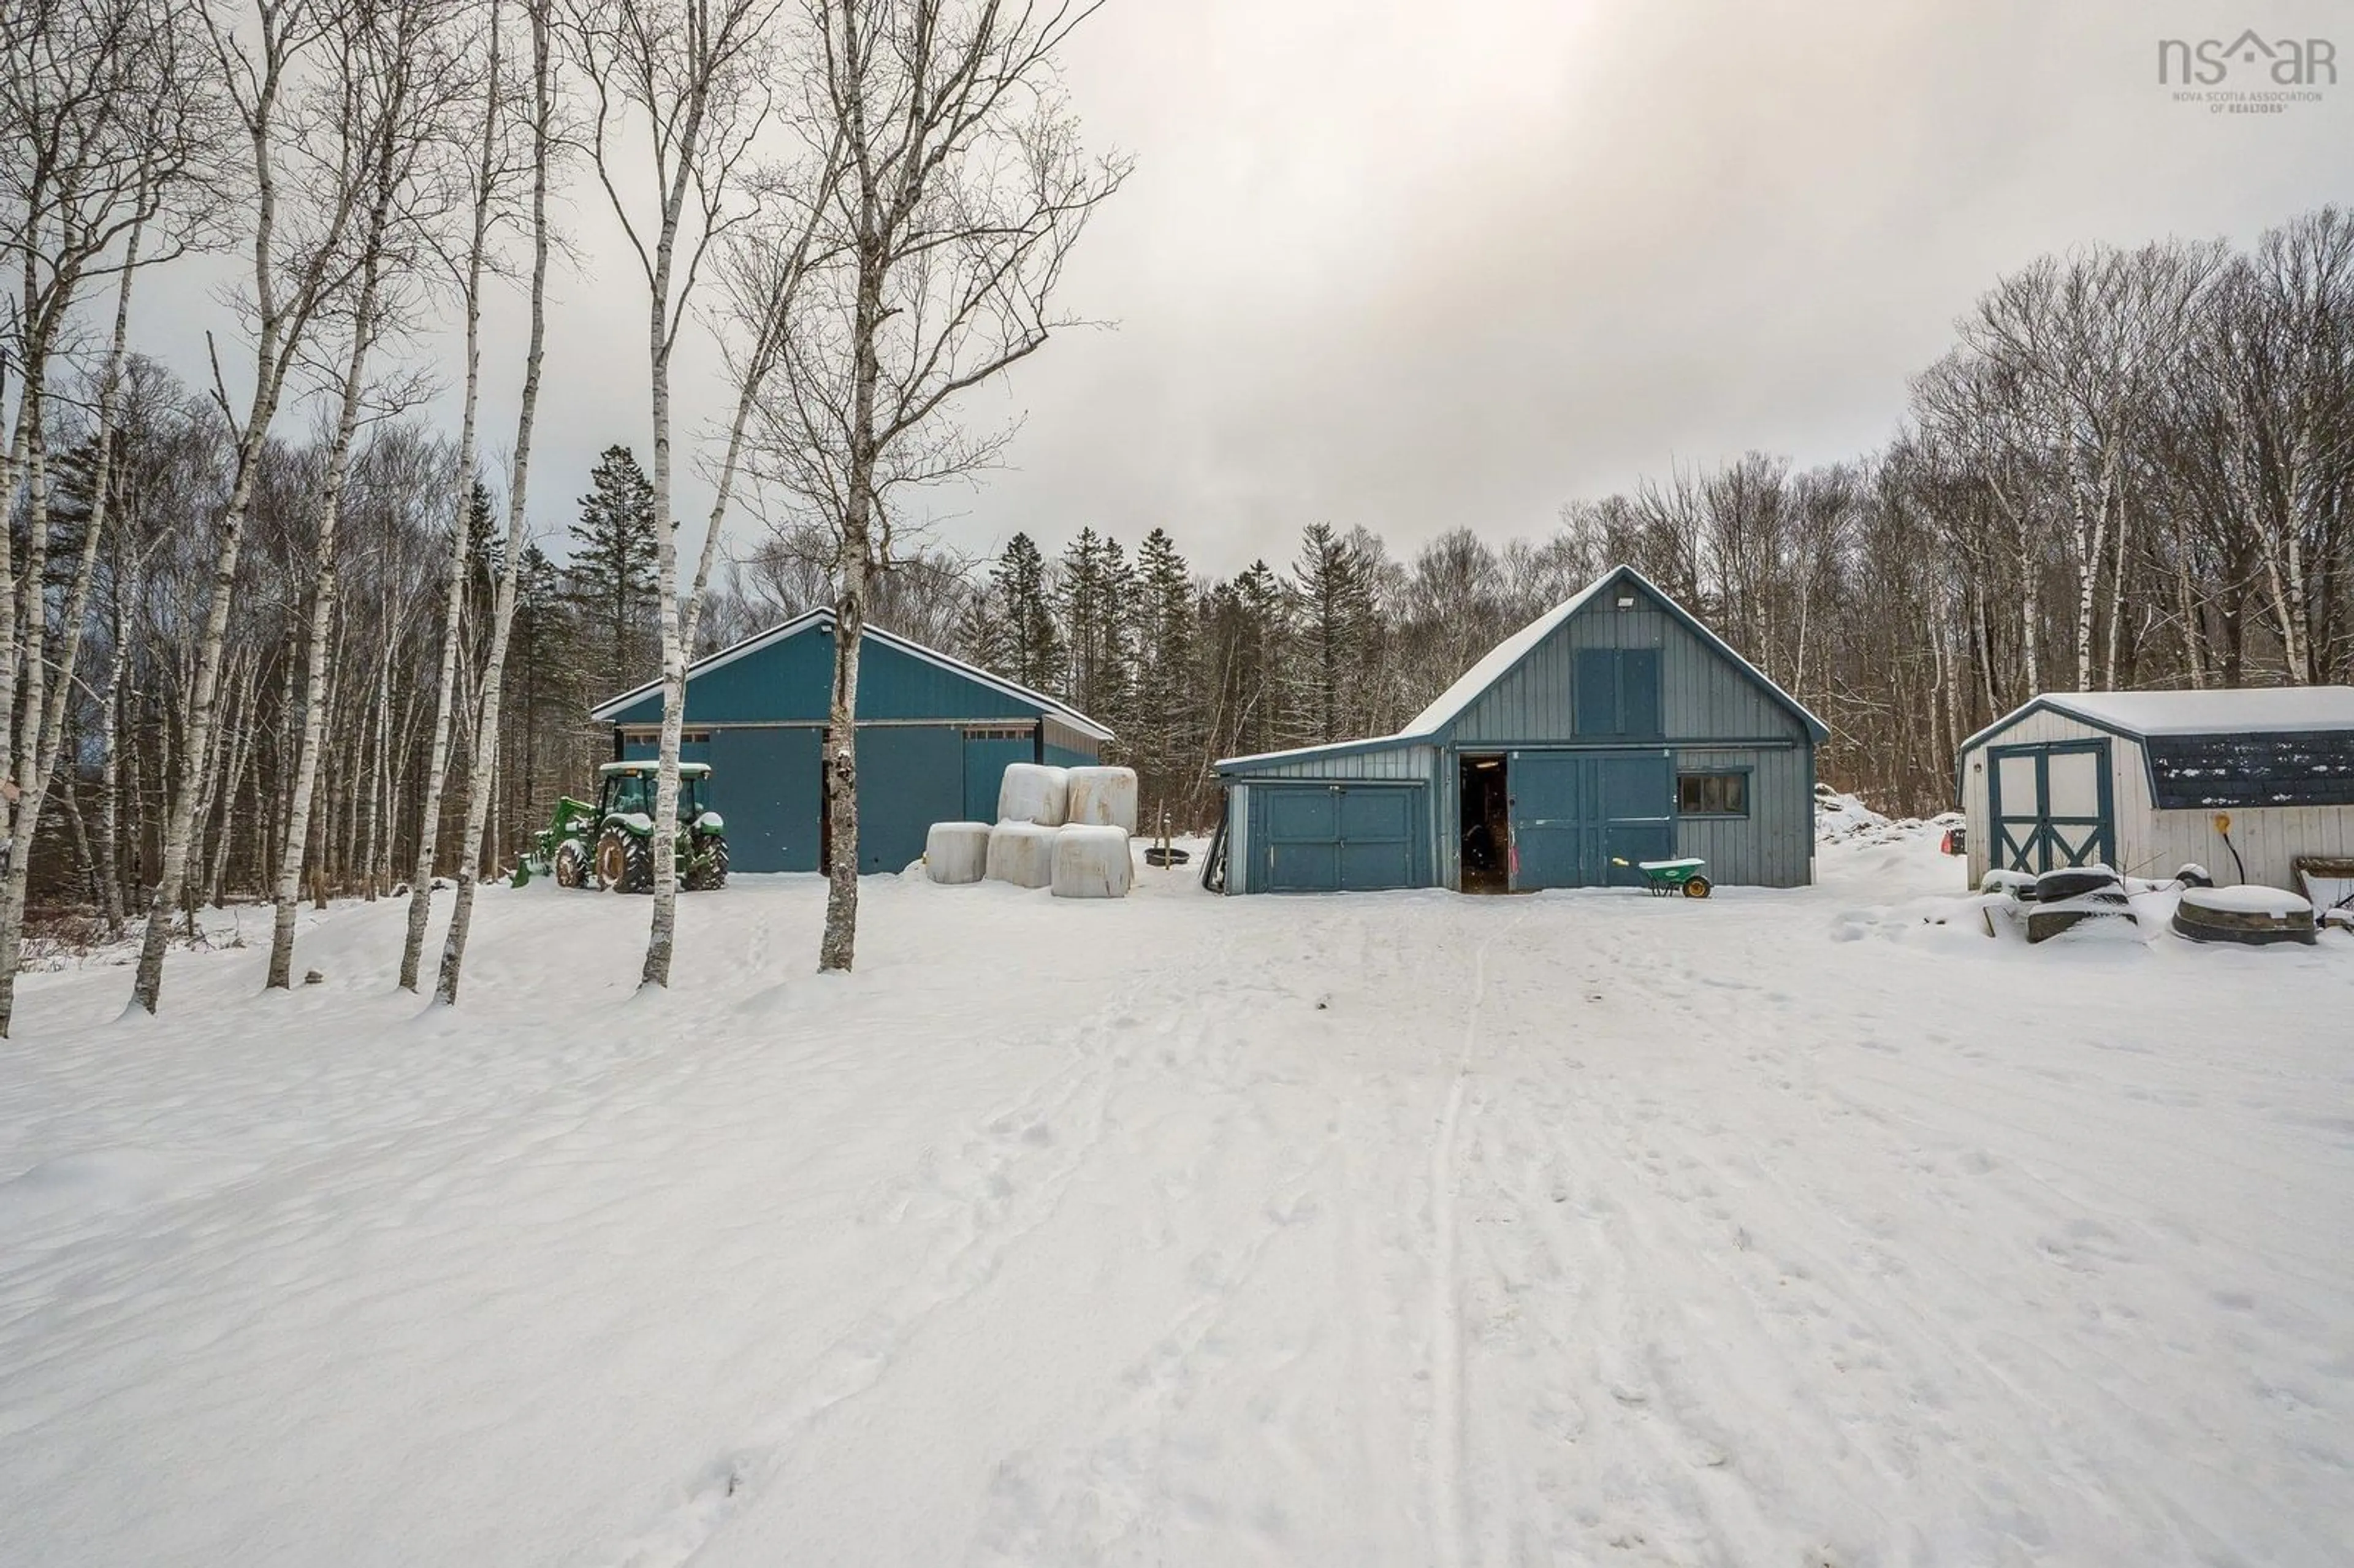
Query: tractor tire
column 625, row 862
column 571, row 864
column 712, row 875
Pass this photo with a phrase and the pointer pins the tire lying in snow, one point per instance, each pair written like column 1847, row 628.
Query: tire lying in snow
column 2253, row 916
column 2066, row 898
column 2073, row 881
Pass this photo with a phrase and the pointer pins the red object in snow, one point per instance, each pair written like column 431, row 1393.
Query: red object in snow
column 1954, row 841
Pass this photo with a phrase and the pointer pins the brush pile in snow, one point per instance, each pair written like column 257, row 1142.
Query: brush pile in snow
column 956, row 853
column 1022, row 853
column 1034, row 793
column 1092, row 862
column 1103, row 797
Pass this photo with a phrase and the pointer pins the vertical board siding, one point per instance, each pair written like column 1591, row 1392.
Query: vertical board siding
column 2153, row 844
column 1774, row 845
column 1718, row 709
column 1703, row 694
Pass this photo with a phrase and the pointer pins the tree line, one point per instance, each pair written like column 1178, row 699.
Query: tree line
column 2134, row 468
column 265, row 630
column 235, row 656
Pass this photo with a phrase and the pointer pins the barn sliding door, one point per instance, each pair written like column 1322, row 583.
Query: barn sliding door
column 2050, row 805
column 1577, row 814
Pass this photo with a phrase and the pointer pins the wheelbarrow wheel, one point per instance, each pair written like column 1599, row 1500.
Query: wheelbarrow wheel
column 1695, row 887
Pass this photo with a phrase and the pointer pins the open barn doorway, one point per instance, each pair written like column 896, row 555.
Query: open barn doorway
column 1486, row 831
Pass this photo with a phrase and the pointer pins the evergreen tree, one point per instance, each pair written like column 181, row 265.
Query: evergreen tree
column 1164, row 704
column 610, row 578
column 1029, row 646
column 1091, row 593
column 1332, row 597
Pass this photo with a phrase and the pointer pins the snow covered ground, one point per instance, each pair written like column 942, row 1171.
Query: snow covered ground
column 1784, row 1228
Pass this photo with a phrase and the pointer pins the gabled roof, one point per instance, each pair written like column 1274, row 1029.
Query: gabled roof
column 1506, row 656
column 823, row 618
column 2243, row 710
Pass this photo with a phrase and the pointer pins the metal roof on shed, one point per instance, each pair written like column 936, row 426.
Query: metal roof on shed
column 823, row 618
column 2241, row 710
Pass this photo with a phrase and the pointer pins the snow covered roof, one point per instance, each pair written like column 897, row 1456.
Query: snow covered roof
column 648, row 764
column 1501, row 660
column 2264, row 710
column 822, row 617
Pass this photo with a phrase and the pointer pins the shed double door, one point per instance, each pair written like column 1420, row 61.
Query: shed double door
column 1336, row 838
column 1577, row 814
column 2050, row 805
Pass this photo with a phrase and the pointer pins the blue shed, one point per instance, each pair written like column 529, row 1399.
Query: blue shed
column 935, row 734
column 1615, row 727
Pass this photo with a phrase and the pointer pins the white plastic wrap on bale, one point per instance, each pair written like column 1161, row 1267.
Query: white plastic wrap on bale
column 1034, row 793
column 1091, row 861
column 956, row 853
column 1103, row 797
column 1022, row 853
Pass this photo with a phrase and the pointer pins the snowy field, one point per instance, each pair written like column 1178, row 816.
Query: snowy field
column 1786, row 1228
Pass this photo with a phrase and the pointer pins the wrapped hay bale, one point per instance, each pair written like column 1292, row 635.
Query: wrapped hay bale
column 956, row 853
column 1091, row 861
column 1103, row 797
column 1034, row 793
column 1022, row 853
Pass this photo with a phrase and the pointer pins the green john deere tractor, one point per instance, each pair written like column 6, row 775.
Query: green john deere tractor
column 610, row 844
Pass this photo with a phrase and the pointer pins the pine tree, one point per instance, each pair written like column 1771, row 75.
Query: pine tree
column 610, row 578
column 1030, row 645
column 1332, row 598
column 1164, row 704
column 1091, row 593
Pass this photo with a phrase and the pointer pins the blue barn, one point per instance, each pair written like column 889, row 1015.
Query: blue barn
column 934, row 737
column 1615, row 727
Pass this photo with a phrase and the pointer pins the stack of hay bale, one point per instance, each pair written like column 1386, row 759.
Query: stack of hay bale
column 1061, row 828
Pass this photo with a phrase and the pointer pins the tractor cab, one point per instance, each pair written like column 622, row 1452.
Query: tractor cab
column 627, row 790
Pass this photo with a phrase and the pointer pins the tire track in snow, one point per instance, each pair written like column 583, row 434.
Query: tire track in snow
column 1446, row 1402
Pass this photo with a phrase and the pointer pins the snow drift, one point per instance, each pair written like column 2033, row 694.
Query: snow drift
column 956, row 853
column 1092, row 862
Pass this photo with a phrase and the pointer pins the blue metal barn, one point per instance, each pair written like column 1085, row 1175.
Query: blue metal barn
column 1615, row 727
column 934, row 738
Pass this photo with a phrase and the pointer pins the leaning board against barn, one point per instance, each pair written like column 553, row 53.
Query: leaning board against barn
column 1614, row 727
column 935, row 734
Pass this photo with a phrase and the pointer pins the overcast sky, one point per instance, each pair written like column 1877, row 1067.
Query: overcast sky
column 1419, row 266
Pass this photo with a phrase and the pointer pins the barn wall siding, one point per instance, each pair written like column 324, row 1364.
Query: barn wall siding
column 2154, row 844
column 1713, row 712
column 792, row 680
column 1704, row 696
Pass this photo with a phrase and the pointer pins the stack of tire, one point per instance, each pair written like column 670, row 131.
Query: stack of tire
column 2065, row 899
column 1065, row 829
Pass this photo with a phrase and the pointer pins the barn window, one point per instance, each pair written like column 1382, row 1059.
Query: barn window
column 654, row 737
column 2200, row 772
column 997, row 731
column 1712, row 794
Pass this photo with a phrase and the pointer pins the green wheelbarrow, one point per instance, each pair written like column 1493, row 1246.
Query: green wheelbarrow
column 1666, row 878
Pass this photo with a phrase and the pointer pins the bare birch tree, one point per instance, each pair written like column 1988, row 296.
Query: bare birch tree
column 689, row 81
column 490, row 695
column 963, row 188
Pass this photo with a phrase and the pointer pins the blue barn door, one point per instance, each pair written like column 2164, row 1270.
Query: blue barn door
column 764, row 782
column 909, row 777
column 1575, row 813
column 1335, row 838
